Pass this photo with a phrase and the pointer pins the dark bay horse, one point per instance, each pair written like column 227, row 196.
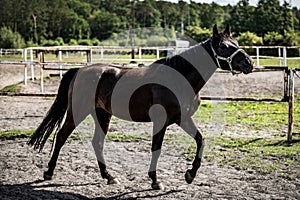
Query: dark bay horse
column 166, row 92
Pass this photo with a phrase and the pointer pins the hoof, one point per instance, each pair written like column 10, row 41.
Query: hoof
column 157, row 186
column 113, row 181
column 47, row 176
column 188, row 177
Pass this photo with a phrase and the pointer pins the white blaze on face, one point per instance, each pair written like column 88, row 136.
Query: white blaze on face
column 229, row 43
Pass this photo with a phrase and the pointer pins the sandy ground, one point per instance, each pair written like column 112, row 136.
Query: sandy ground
column 77, row 175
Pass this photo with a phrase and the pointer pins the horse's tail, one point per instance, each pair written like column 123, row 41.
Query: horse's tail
column 56, row 113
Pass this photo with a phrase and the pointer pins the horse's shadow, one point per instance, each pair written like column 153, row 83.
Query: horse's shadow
column 32, row 191
column 121, row 196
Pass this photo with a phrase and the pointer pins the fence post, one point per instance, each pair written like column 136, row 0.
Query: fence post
column 257, row 56
column 89, row 56
column 284, row 56
column 31, row 65
column 101, row 53
column 279, row 56
column 25, row 66
column 60, row 65
column 285, row 84
column 157, row 53
column 42, row 60
column 291, row 106
column 140, row 53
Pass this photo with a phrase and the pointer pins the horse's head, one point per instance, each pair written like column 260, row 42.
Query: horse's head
column 228, row 54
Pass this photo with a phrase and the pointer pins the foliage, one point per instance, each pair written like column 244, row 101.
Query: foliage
column 30, row 43
column 10, row 39
column 73, row 42
column 95, row 42
column 241, row 17
column 103, row 24
column 157, row 41
column 297, row 37
column 85, row 42
column 290, row 38
column 60, row 40
column 249, row 39
column 199, row 34
column 275, row 38
column 50, row 43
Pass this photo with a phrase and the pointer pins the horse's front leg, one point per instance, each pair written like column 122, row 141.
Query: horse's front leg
column 190, row 127
column 157, row 140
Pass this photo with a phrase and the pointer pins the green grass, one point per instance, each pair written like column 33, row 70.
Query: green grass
column 128, row 137
column 250, row 115
column 14, row 88
column 291, row 63
column 262, row 155
column 15, row 134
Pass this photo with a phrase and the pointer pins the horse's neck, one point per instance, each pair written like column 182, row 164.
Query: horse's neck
column 200, row 63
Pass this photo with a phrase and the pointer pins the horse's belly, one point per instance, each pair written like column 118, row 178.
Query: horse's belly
column 136, row 110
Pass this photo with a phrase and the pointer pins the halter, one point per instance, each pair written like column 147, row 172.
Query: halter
column 228, row 59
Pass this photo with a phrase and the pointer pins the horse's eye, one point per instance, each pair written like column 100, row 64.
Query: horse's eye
column 223, row 46
column 220, row 43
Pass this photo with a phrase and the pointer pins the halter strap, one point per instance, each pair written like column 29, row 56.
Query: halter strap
column 228, row 59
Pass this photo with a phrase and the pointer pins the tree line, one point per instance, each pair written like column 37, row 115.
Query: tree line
column 58, row 22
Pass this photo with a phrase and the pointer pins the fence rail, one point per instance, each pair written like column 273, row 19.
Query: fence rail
column 5, row 52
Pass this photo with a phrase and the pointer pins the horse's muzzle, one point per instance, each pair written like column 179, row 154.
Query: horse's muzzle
column 247, row 65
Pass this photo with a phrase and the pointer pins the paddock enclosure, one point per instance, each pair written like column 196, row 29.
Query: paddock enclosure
column 77, row 176
column 114, row 55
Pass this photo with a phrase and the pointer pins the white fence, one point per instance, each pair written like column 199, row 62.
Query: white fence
column 6, row 52
column 282, row 53
column 98, row 54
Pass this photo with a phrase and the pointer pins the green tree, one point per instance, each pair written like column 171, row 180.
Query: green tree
column 241, row 19
column 170, row 15
column 103, row 24
column 296, row 13
column 249, row 39
column 146, row 14
column 199, row 34
column 211, row 14
column 287, row 19
column 10, row 39
column 266, row 16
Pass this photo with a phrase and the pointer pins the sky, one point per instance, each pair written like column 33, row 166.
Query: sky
column 233, row 2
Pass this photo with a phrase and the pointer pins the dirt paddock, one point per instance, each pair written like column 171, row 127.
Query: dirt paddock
column 77, row 175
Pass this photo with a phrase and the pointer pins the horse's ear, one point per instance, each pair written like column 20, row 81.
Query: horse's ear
column 227, row 30
column 215, row 31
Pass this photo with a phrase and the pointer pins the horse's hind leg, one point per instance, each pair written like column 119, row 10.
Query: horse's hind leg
column 157, row 140
column 189, row 126
column 101, row 127
column 61, row 138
